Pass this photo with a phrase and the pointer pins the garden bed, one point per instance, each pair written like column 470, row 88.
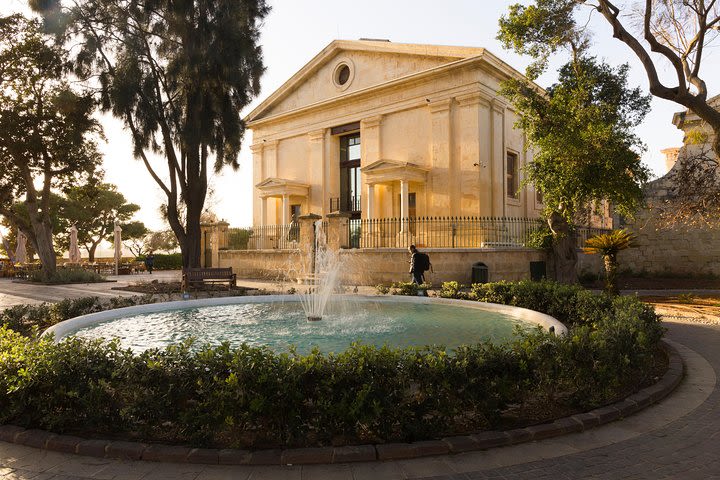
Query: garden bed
column 252, row 397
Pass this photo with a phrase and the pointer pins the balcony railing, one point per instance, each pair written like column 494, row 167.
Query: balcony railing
column 350, row 204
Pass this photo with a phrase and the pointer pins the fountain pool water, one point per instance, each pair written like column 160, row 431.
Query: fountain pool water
column 324, row 276
column 279, row 321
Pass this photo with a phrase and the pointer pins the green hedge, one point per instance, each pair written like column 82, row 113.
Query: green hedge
column 251, row 396
column 31, row 320
column 165, row 261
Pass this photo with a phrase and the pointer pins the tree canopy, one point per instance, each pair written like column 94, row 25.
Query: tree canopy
column 178, row 74
column 93, row 208
column 581, row 133
column 584, row 150
column 677, row 32
column 47, row 133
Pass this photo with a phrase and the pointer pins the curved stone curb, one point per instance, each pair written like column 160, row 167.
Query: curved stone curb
column 356, row 453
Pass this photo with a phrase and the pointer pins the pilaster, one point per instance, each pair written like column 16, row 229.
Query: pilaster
column 497, row 159
column 370, row 140
column 444, row 171
column 258, row 176
column 318, row 165
column 270, row 158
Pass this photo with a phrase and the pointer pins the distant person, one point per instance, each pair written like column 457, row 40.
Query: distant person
column 418, row 265
column 294, row 230
column 150, row 262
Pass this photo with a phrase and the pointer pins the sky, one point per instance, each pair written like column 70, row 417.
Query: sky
column 295, row 31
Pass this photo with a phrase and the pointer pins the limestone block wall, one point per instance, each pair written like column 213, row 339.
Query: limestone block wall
column 686, row 251
column 371, row 267
column 261, row 264
column 661, row 250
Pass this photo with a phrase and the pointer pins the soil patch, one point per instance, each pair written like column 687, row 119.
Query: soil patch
column 156, row 287
column 659, row 283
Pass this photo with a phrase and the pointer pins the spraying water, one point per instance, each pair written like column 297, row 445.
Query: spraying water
column 323, row 279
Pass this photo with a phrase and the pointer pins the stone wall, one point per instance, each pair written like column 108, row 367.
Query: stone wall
column 371, row 267
column 679, row 250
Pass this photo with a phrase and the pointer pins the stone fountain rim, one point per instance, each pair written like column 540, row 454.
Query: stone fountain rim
column 60, row 330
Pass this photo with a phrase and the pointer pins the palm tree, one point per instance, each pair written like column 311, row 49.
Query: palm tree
column 608, row 245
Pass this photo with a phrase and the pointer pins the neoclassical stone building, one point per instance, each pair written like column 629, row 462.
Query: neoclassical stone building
column 384, row 130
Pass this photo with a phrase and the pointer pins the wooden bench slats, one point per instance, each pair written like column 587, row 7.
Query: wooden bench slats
column 199, row 276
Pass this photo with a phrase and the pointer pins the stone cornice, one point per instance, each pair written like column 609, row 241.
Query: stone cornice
column 474, row 98
column 316, row 135
column 371, row 122
column 439, row 106
column 486, row 59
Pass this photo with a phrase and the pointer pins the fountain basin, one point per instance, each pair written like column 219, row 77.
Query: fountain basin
column 278, row 321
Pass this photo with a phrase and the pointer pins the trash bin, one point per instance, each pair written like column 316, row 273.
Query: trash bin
column 538, row 271
column 479, row 273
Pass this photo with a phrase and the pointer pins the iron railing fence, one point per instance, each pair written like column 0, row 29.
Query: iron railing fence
column 425, row 232
column 266, row 237
column 442, row 232
column 583, row 233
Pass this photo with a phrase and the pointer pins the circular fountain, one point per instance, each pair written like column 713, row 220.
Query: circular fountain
column 279, row 321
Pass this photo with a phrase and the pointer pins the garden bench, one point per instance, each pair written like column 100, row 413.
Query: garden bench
column 193, row 277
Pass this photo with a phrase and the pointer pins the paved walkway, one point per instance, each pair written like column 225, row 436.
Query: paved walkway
column 678, row 438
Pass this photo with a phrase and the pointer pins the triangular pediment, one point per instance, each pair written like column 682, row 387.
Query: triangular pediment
column 393, row 170
column 369, row 63
column 281, row 186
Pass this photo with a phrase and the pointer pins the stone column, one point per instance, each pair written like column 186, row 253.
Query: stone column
column 263, row 211
column 205, row 234
column 307, row 243
column 337, row 231
column 285, row 209
column 370, row 201
column 404, row 204
column 443, row 172
column 214, row 246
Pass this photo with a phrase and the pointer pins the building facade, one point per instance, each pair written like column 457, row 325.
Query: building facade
column 376, row 129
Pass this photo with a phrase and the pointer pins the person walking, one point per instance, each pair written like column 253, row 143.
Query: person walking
column 416, row 269
column 150, row 262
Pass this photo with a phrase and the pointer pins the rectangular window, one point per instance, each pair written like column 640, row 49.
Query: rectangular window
column 511, row 175
column 538, row 196
column 350, row 177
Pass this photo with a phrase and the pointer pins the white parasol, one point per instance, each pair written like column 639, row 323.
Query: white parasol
column 20, row 249
column 74, row 249
column 118, row 246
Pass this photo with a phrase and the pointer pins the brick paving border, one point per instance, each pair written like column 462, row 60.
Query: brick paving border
column 356, row 453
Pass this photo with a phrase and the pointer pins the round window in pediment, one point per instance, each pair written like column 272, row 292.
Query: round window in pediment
column 343, row 75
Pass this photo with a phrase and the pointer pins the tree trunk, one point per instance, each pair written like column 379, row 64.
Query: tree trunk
column 45, row 249
column 564, row 249
column 91, row 252
column 611, row 267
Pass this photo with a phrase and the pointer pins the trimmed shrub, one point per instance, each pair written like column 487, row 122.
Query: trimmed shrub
column 67, row 275
column 249, row 396
column 33, row 319
column 165, row 261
